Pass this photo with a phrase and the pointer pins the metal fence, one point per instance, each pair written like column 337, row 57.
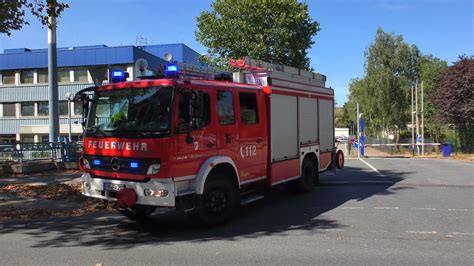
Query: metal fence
column 54, row 151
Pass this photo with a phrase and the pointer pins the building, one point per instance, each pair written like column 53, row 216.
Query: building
column 24, row 83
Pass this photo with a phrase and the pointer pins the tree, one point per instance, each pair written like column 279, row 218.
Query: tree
column 12, row 13
column 274, row 31
column 431, row 69
column 454, row 98
column 391, row 67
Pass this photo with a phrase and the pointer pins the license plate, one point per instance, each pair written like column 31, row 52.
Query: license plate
column 113, row 187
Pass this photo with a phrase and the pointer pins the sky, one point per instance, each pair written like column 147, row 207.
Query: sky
column 443, row 28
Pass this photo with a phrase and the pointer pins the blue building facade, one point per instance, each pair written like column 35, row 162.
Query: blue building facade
column 24, row 83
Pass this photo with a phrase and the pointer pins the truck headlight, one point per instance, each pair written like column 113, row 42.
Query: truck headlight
column 86, row 164
column 153, row 169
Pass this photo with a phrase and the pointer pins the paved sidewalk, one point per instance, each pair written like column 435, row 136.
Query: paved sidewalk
column 45, row 194
column 45, row 178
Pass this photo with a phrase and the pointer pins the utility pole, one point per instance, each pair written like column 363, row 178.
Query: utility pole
column 52, row 76
column 422, row 124
column 412, row 124
column 416, row 119
column 358, row 133
column 69, row 97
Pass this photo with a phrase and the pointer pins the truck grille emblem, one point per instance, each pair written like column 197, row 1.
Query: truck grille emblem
column 115, row 163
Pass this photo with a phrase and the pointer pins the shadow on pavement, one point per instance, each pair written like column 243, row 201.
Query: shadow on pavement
column 280, row 212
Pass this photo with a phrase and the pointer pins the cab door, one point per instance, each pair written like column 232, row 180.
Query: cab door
column 193, row 148
column 252, row 135
column 227, row 129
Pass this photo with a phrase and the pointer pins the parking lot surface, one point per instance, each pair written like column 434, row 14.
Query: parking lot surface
column 406, row 211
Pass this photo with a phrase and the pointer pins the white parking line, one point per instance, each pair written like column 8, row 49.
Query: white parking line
column 459, row 233
column 352, row 208
column 423, row 232
column 424, row 209
column 372, row 167
column 460, row 210
column 386, row 208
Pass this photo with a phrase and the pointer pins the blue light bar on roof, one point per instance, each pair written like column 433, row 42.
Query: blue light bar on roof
column 119, row 75
column 172, row 70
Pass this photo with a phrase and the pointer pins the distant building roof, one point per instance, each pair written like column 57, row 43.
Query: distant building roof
column 24, row 58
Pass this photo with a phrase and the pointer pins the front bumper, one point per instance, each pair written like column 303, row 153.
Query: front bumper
column 96, row 190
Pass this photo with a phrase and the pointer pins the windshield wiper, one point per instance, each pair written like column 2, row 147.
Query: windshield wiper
column 96, row 129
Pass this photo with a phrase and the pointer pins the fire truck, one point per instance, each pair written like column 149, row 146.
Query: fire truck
column 206, row 144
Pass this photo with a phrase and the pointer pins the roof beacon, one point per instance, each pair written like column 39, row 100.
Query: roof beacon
column 172, row 70
column 119, row 76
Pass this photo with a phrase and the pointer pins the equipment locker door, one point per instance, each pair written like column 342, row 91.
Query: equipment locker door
column 252, row 135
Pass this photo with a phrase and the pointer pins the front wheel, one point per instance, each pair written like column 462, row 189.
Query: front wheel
column 218, row 202
column 138, row 213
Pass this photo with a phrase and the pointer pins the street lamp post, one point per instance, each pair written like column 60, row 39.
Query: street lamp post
column 69, row 98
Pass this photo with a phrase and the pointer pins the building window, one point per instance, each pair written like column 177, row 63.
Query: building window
column 63, row 108
column 27, row 76
column 248, row 108
column 63, row 75
column 225, row 107
column 27, row 109
column 8, row 77
column 9, row 110
column 42, row 75
column 28, row 139
column 43, row 108
column 80, row 74
column 77, row 109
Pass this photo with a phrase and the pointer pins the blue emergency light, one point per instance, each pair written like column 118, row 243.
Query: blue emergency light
column 119, row 75
column 97, row 162
column 172, row 70
column 133, row 165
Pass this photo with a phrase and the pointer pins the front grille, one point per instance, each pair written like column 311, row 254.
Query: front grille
column 105, row 163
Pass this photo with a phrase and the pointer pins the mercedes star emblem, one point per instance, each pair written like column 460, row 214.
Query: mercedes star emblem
column 115, row 163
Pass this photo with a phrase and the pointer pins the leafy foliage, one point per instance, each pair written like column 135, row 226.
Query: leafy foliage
column 431, row 69
column 454, row 98
column 274, row 31
column 12, row 13
column 391, row 67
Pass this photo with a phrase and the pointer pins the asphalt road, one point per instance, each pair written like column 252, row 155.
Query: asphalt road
column 409, row 211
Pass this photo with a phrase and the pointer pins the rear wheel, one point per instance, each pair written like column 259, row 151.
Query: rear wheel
column 218, row 202
column 340, row 159
column 308, row 176
column 138, row 212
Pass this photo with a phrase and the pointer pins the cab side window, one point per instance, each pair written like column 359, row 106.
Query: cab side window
column 225, row 108
column 248, row 108
column 183, row 114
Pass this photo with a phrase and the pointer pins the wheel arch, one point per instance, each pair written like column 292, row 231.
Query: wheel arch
column 214, row 165
column 314, row 158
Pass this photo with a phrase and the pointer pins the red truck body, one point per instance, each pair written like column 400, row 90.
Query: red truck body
column 244, row 137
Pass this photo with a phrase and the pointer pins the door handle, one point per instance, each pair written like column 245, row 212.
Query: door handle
column 228, row 138
column 210, row 144
column 259, row 140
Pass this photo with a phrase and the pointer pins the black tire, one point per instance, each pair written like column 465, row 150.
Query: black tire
column 308, row 176
column 218, row 203
column 138, row 213
column 340, row 159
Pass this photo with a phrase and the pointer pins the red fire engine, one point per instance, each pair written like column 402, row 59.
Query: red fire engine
column 206, row 145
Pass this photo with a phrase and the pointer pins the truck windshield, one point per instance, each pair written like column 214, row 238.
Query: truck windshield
column 131, row 110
